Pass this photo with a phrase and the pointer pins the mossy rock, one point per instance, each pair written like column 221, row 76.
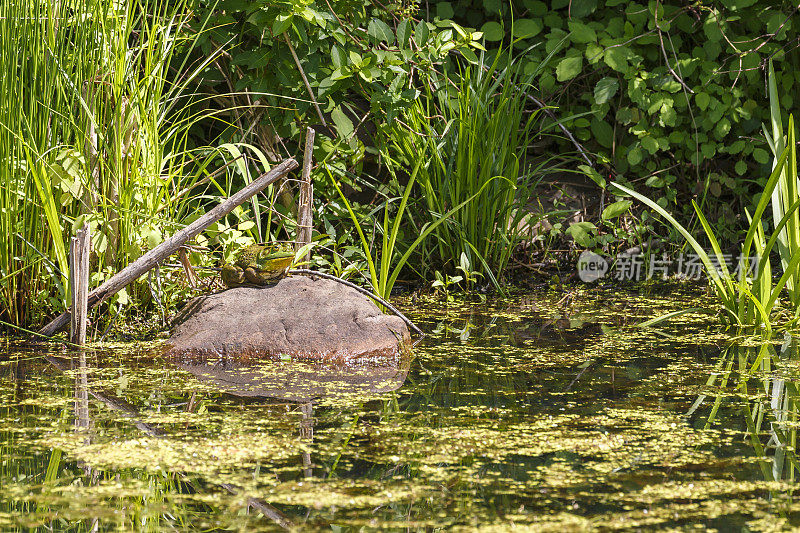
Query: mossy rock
column 299, row 319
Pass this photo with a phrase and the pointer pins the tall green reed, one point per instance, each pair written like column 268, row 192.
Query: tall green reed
column 473, row 129
column 385, row 260
column 785, row 194
column 94, row 127
column 751, row 298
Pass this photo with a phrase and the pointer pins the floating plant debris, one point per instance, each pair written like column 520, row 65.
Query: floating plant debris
column 527, row 411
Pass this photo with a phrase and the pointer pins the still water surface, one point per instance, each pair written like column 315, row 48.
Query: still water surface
column 543, row 411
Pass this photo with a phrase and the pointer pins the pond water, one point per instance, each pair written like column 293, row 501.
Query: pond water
column 545, row 411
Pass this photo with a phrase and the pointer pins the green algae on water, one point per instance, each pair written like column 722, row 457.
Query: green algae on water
column 529, row 412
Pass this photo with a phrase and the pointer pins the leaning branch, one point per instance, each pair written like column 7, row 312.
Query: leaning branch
column 541, row 105
column 168, row 247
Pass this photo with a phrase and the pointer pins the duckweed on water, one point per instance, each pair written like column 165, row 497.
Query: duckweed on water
column 537, row 411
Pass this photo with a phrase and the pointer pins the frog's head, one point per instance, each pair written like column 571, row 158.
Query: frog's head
column 280, row 252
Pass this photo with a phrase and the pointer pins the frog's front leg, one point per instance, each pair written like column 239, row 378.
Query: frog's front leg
column 232, row 276
column 253, row 276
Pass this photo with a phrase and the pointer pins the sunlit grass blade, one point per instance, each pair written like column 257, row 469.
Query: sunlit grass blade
column 722, row 289
column 373, row 274
column 669, row 316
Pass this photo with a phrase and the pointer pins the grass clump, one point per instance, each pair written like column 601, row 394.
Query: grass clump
column 472, row 134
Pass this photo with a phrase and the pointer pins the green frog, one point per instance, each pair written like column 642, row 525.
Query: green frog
column 258, row 264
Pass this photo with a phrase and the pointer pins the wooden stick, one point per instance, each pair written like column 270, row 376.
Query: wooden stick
column 79, row 283
column 168, row 247
column 305, row 214
column 305, row 80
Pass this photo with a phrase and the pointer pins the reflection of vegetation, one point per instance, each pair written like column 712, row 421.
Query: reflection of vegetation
column 519, row 423
column 765, row 379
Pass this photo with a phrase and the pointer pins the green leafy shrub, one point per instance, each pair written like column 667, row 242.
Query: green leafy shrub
column 668, row 94
column 752, row 299
column 342, row 66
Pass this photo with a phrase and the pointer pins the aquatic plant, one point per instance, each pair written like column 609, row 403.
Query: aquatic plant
column 761, row 381
column 501, row 426
column 386, row 261
column 473, row 126
column 95, row 128
column 750, row 300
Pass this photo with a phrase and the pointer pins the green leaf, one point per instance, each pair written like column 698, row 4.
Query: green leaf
column 568, row 68
column 722, row 128
column 421, row 33
column 594, row 175
column 708, row 150
column 738, row 4
column 492, row 6
column 338, row 57
column 122, row 297
column 380, row 31
column 344, row 126
column 616, row 209
column 581, row 8
column 527, row 28
column 650, row 144
column 740, row 167
column 470, row 56
column 403, row 33
column 593, row 53
column 581, row 233
column 668, row 116
column 152, row 236
column 603, row 132
column 737, row 146
column 536, row 8
column 444, row 10
column 617, row 58
column 761, row 155
column 702, row 100
column 581, row 33
column 605, row 90
column 635, row 156
column 355, row 58
column 281, row 24
column 492, row 31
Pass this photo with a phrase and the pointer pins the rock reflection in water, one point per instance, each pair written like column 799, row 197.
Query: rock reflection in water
column 300, row 382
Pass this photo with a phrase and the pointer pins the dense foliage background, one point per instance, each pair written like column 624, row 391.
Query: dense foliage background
column 160, row 110
column 666, row 95
column 671, row 95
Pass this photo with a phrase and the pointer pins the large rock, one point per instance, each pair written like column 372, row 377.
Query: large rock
column 299, row 318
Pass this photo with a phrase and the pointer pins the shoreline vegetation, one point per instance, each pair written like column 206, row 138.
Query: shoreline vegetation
column 454, row 150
